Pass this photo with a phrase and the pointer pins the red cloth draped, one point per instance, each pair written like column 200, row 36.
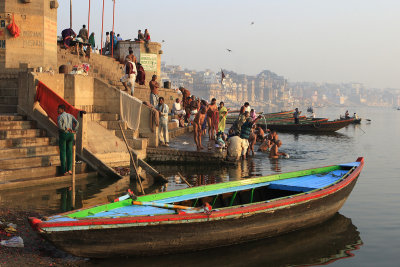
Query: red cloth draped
column 50, row 101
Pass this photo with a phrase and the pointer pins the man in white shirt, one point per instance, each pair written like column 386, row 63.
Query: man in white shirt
column 163, row 126
column 177, row 108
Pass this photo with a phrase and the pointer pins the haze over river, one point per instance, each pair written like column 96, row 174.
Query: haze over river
column 365, row 233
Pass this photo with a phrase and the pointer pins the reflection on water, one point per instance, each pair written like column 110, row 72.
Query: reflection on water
column 324, row 243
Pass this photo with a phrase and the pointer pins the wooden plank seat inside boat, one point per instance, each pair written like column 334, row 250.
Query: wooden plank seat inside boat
column 309, row 182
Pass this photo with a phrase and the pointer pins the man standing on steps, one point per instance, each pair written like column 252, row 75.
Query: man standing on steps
column 163, row 126
column 67, row 126
column 154, row 85
column 130, row 73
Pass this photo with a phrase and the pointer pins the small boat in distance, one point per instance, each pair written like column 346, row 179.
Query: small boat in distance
column 203, row 217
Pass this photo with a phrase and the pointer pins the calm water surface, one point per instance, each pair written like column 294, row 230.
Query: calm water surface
column 365, row 233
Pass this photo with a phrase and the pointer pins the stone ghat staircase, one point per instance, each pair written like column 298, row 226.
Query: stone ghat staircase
column 8, row 93
column 27, row 153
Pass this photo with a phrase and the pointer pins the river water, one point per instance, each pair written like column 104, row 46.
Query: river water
column 366, row 232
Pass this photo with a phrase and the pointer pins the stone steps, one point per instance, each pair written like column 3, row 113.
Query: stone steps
column 27, row 142
column 24, row 173
column 113, row 125
column 11, row 117
column 18, row 152
column 5, row 134
column 24, row 162
column 8, row 92
column 9, row 83
column 129, row 134
column 17, row 125
column 102, row 116
column 8, row 108
column 8, row 100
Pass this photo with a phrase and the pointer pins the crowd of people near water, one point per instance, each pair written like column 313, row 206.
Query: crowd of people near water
column 209, row 119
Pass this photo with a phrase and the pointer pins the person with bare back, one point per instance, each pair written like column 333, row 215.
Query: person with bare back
column 197, row 131
column 212, row 119
column 274, row 153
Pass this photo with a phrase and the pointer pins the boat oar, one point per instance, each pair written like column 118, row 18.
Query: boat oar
column 132, row 160
column 183, row 178
column 162, row 205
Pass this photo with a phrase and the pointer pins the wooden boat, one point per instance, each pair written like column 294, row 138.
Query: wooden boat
column 310, row 127
column 356, row 120
column 266, row 117
column 204, row 217
column 333, row 240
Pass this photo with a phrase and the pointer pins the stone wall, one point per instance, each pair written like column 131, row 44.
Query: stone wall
column 149, row 55
column 37, row 43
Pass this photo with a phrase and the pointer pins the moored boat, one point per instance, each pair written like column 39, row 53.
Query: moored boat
column 205, row 216
column 316, row 126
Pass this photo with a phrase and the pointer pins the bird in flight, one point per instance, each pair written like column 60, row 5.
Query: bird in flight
column 228, row 50
column 162, row 41
column 252, row 23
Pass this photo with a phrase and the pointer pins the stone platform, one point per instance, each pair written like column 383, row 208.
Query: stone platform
column 183, row 150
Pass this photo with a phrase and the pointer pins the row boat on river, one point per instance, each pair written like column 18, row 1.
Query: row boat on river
column 317, row 126
column 230, row 119
column 203, row 217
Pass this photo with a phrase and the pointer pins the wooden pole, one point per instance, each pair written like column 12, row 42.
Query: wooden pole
column 112, row 41
column 73, row 171
column 102, row 28
column 183, row 178
column 132, row 160
column 88, row 23
column 70, row 14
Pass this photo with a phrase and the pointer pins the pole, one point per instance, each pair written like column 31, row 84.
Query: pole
column 102, row 24
column 88, row 22
column 73, row 171
column 183, row 178
column 132, row 160
column 70, row 14
column 112, row 41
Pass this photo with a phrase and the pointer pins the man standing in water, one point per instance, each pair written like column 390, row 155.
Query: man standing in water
column 212, row 119
column 245, row 134
column 67, row 126
column 197, row 124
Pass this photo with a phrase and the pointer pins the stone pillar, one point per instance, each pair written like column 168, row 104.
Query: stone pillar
column 37, row 43
column 81, row 136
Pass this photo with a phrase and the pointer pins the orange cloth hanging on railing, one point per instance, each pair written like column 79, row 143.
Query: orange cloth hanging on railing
column 49, row 101
column 13, row 28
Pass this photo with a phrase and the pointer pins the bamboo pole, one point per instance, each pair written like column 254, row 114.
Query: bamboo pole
column 70, row 14
column 73, row 171
column 113, row 37
column 183, row 178
column 102, row 28
column 88, row 23
column 132, row 159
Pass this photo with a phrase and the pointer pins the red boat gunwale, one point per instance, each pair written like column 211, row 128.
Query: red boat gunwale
column 39, row 225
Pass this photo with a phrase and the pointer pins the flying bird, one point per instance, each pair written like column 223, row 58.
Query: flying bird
column 252, row 23
column 229, row 50
column 162, row 41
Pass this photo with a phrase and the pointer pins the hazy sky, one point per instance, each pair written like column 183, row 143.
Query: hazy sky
column 303, row 40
